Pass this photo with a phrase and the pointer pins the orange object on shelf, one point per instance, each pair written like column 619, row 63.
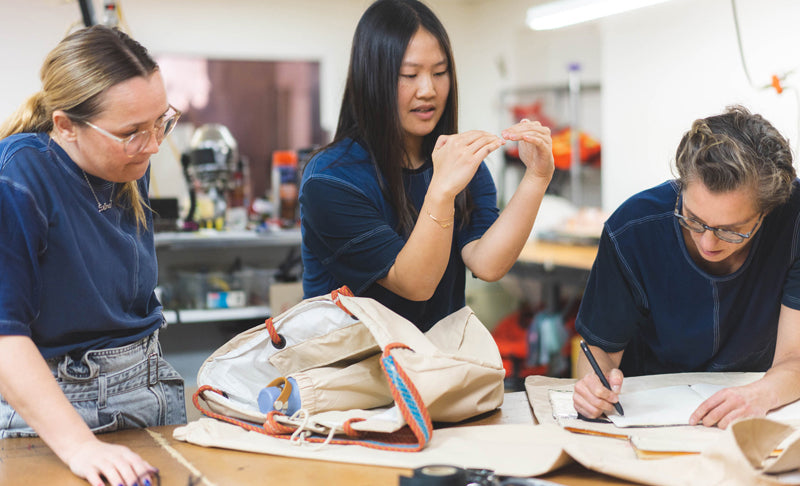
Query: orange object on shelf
column 511, row 336
column 562, row 149
column 533, row 111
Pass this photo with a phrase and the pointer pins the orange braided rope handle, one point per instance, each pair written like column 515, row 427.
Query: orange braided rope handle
column 343, row 290
column 279, row 341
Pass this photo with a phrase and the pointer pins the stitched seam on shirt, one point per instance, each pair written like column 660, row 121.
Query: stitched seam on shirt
column 12, row 325
column 334, row 180
column 354, row 241
column 374, row 278
column 792, row 299
column 626, row 266
column 643, row 219
column 715, row 293
column 795, row 237
column 595, row 340
column 24, row 190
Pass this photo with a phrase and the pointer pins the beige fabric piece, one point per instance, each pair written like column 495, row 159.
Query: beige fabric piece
column 515, row 450
column 359, row 385
column 522, row 450
column 742, row 455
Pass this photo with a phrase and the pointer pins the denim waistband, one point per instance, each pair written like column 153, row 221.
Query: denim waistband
column 117, row 365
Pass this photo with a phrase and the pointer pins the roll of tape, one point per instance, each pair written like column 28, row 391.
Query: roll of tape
column 436, row 475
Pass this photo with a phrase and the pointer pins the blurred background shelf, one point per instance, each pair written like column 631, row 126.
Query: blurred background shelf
column 192, row 316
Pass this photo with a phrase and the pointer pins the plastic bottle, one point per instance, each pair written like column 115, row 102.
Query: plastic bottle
column 110, row 17
column 285, row 186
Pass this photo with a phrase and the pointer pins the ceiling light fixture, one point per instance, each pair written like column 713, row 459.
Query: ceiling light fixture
column 560, row 13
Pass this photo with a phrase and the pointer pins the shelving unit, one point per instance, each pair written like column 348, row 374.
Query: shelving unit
column 567, row 102
column 220, row 251
column 193, row 334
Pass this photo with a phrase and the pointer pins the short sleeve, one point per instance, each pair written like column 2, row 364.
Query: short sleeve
column 609, row 314
column 22, row 237
column 791, row 286
column 347, row 232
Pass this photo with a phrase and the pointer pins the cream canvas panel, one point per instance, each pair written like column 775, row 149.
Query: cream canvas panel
column 514, row 450
column 741, row 456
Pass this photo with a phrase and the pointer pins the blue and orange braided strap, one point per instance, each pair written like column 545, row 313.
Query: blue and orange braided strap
column 406, row 396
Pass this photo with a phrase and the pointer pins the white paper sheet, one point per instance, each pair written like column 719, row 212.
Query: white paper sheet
column 673, row 405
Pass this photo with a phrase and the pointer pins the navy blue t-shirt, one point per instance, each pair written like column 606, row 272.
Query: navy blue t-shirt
column 349, row 235
column 648, row 297
column 71, row 278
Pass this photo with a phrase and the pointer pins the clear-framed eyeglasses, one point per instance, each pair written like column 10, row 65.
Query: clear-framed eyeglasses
column 135, row 143
column 723, row 234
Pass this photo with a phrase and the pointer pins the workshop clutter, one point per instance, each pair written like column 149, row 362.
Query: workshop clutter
column 351, row 358
column 588, row 146
column 247, row 286
column 535, row 342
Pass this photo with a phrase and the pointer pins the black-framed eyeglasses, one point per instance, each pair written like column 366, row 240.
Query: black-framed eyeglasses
column 139, row 140
column 723, row 234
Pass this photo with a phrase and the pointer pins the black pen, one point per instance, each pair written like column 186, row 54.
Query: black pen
column 599, row 373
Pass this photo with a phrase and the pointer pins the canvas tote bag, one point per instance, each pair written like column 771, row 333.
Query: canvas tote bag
column 351, row 358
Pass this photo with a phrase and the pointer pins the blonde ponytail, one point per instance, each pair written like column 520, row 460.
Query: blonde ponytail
column 32, row 116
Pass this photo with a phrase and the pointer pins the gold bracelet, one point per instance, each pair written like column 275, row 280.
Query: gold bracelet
column 444, row 223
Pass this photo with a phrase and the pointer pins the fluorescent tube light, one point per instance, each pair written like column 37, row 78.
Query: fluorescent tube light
column 561, row 13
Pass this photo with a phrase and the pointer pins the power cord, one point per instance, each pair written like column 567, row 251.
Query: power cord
column 777, row 82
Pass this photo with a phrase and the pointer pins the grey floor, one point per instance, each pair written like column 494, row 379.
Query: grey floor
column 186, row 347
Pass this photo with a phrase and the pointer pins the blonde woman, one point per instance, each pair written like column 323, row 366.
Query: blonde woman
column 79, row 349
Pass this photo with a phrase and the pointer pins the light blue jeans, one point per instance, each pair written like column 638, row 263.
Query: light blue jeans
column 112, row 389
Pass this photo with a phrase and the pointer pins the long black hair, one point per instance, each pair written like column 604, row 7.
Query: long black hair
column 369, row 112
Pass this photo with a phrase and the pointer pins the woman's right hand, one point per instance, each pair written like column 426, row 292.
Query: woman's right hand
column 94, row 460
column 457, row 157
column 592, row 399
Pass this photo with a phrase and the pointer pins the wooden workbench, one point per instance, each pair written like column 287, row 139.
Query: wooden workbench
column 28, row 462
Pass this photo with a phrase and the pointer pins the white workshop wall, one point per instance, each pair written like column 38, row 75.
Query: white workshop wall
column 660, row 67
column 317, row 30
column 665, row 66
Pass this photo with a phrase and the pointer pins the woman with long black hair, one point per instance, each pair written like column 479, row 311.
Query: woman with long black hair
column 400, row 204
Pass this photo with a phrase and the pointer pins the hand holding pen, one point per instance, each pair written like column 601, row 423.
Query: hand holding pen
column 594, row 395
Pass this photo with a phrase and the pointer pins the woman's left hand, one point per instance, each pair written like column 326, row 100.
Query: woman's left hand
column 727, row 405
column 535, row 146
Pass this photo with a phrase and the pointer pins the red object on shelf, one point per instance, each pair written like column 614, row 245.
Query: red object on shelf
column 511, row 336
column 562, row 149
column 533, row 112
column 589, row 149
column 562, row 138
